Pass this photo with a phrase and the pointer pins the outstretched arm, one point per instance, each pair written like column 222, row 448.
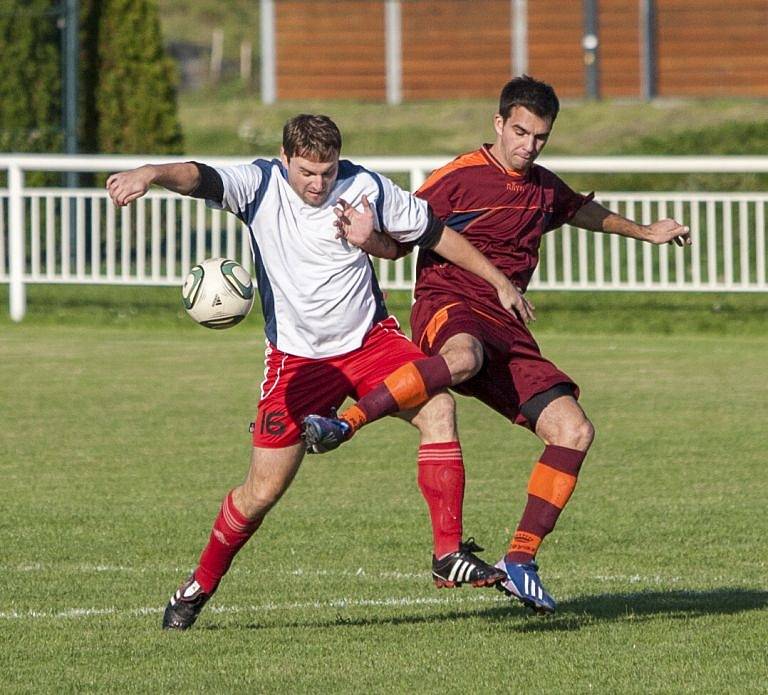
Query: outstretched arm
column 126, row 186
column 595, row 217
column 357, row 227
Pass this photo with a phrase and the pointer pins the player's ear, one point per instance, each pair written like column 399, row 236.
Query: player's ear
column 283, row 156
column 498, row 124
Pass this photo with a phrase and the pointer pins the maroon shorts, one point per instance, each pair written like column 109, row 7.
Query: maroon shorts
column 295, row 387
column 513, row 370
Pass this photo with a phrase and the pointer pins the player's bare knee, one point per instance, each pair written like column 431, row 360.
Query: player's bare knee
column 464, row 359
column 583, row 435
column 254, row 502
column 558, row 419
column 574, row 433
column 463, row 353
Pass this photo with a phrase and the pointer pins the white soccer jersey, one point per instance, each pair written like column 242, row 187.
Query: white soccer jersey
column 319, row 294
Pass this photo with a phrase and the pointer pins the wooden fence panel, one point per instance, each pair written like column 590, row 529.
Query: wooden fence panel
column 711, row 48
column 330, row 50
column 455, row 48
column 463, row 48
column 554, row 45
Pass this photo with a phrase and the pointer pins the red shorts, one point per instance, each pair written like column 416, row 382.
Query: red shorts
column 513, row 370
column 295, row 387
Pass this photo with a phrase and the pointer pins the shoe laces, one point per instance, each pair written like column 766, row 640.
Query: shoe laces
column 470, row 546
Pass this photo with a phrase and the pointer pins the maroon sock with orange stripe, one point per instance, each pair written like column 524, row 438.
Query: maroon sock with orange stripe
column 549, row 488
column 231, row 531
column 407, row 387
column 441, row 481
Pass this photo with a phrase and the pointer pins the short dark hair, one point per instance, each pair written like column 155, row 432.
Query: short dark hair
column 538, row 97
column 315, row 137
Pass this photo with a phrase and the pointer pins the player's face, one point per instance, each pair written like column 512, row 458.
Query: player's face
column 520, row 139
column 312, row 181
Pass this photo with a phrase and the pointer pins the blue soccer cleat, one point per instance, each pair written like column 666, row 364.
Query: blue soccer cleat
column 322, row 434
column 523, row 583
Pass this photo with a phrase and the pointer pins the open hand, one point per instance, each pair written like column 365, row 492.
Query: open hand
column 513, row 300
column 354, row 225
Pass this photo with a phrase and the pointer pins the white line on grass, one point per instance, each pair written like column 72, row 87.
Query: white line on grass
column 75, row 613
column 301, row 572
column 338, row 603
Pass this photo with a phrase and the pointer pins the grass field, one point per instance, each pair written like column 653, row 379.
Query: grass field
column 119, row 438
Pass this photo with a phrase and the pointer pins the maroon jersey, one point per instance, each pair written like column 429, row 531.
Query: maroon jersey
column 500, row 212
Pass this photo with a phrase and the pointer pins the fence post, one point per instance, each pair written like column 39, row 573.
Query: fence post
column 18, row 300
column 217, row 55
column 417, row 177
column 648, row 57
column 394, row 49
column 590, row 43
column 519, row 37
column 268, row 52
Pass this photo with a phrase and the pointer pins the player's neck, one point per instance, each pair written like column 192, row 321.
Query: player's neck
column 498, row 154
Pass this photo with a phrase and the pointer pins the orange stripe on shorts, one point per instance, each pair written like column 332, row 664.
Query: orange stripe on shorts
column 436, row 323
column 407, row 387
column 551, row 485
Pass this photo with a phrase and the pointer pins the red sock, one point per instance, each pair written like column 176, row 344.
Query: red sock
column 549, row 489
column 231, row 531
column 407, row 387
column 441, row 481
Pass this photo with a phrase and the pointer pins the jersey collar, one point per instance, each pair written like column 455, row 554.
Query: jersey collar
column 492, row 161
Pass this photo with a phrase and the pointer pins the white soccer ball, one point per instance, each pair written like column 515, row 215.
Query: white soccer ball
column 218, row 293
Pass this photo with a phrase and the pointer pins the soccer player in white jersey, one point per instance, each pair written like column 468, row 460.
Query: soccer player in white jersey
column 328, row 335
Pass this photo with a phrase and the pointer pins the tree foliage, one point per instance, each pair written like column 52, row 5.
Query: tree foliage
column 30, row 78
column 135, row 96
column 127, row 97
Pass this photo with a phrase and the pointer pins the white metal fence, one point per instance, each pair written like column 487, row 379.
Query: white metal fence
column 75, row 235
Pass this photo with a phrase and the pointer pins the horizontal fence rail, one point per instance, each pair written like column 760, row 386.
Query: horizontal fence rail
column 76, row 235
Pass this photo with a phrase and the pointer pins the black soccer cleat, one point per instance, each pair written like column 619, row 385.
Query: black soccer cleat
column 323, row 434
column 185, row 605
column 464, row 566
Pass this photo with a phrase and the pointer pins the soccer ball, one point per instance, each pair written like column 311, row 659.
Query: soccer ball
column 218, row 293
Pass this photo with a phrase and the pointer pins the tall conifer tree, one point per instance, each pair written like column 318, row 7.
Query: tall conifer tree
column 30, row 77
column 135, row 95
column 127, row 98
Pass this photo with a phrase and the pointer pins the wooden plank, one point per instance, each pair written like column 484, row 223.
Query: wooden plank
column 353, row 61
column 689, row 89
column 706, row 64
column 723, row 34
column 707, row 6
column 301, row 94
column 330, row 79
column 474, row 64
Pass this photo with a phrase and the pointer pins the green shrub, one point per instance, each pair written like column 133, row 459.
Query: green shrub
column 30, row 79
column 135, row 95
column 127, row 98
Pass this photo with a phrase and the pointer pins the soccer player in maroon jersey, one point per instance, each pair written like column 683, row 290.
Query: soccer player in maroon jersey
column 502, row 203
